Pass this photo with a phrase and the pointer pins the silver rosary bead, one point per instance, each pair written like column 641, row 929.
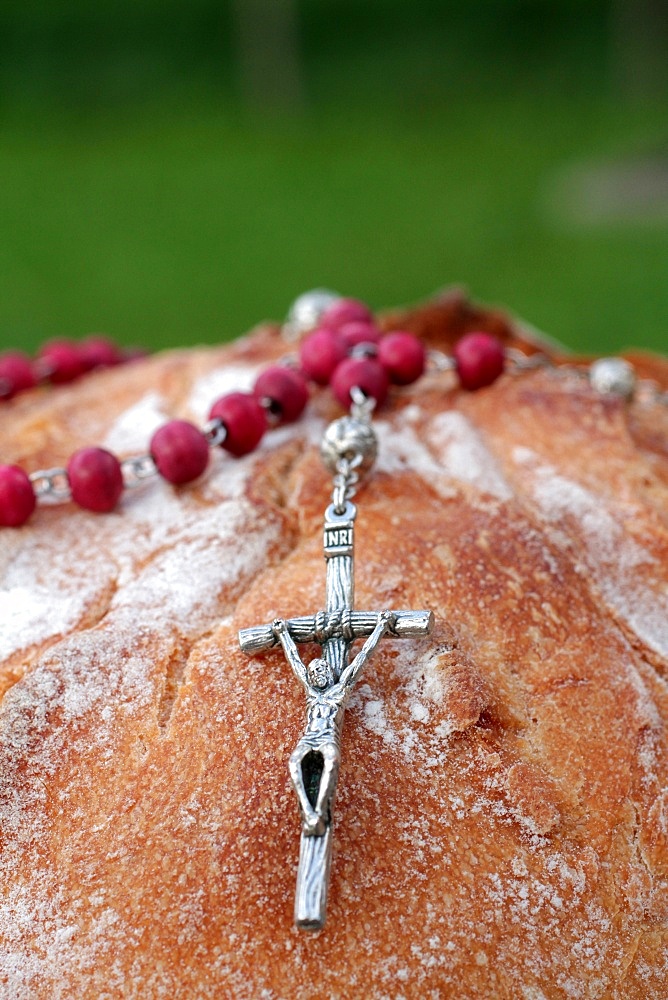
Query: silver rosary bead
column 305, row 312
column 613, row 377
column 351, row 440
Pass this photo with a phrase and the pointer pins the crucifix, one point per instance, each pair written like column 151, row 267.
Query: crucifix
column 328, row 682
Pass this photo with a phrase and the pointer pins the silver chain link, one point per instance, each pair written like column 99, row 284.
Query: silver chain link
column 439, row 361
column 51, row 486
column 137, row 469
column 271, row 411
column 362, row 406
column 347, row 477
column 519, row 362
column 364, row 350
column 572, row 371
column 215, row 432
column 345, row 481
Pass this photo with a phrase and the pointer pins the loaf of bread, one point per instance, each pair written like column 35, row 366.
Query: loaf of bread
column 501, row 826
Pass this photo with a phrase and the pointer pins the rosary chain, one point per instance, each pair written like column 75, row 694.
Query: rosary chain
column 646, row 391
column 362, row 405
column 51, row 486
column 439, row 361
column 137, row 469
column 215, row 432
column 608, row 376
column 516, row 361
column 349, row 465
column 346, row 481
column 520, row 362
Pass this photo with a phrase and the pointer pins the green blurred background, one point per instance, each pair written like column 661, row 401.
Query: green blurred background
column 174, row 171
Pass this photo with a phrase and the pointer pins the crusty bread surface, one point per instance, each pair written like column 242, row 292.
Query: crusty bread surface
column 501, row 825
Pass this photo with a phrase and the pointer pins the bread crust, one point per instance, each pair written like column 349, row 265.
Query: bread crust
column 502, row 815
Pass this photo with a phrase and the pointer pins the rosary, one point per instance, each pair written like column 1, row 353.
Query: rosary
column 342, row 347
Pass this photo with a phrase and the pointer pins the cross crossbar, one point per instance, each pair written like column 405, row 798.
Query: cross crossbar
column 342, row 624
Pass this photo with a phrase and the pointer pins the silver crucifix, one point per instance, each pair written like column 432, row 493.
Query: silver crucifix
column 328, row 680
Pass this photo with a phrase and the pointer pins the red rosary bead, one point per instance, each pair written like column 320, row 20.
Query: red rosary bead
column 358, row 332
column 180, row 451
column 403, row 356
column 366, row 373
column 16, row 373
column 61, row 361
column 320, row 353
column 17, row 497
column 286, row 390
column 479, row 360
column 346, row 311
column 98, row 351
column 244, row 419
column 95, row 479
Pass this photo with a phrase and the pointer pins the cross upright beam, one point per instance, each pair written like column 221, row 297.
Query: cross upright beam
column 338, row 546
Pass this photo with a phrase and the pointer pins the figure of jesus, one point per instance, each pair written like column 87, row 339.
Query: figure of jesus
column 314, row 764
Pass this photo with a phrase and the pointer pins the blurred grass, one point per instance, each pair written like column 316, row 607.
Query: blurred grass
column 176, row 219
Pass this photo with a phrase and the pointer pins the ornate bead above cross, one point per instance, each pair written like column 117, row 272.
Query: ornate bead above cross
column 349, row 445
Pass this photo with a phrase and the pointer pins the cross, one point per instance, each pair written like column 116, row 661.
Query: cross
column 328, row 681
